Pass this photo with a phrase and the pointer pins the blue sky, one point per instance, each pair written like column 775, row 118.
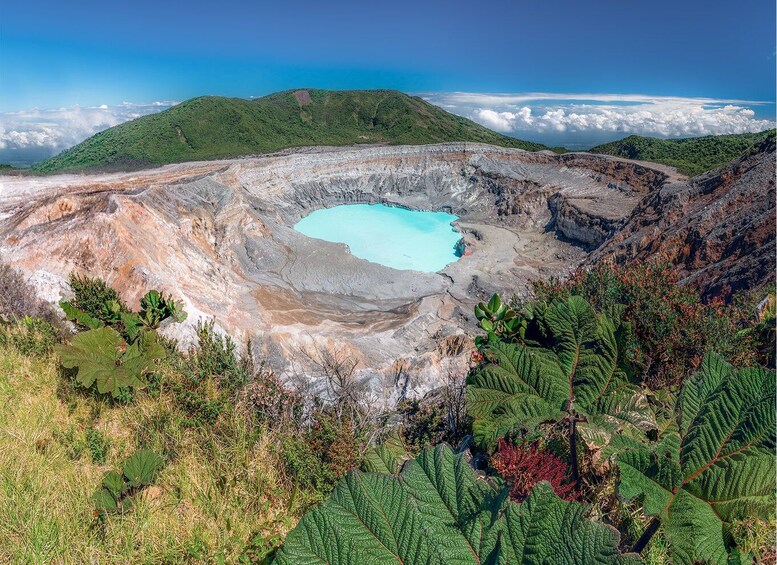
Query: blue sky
column 86, row 54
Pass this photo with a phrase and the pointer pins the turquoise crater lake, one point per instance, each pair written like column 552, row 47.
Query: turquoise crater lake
column 394, row 237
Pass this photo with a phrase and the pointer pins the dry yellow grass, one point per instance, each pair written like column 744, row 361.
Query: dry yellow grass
column 218, row 499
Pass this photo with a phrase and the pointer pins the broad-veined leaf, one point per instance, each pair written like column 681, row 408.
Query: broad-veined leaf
column 438, row 510
column 576, row 364
column 717, row 466
column 103, row 357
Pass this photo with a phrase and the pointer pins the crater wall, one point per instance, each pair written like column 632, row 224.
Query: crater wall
column 219, row 236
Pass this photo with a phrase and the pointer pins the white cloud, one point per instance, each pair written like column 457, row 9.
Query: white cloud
column 667, row 116
column 47, row 132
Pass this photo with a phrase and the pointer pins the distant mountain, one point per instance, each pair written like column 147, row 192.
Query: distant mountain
column 212, row 127
column 691, row 155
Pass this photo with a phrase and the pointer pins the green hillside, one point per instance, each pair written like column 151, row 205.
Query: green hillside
column 213, row 127
column 691, row 155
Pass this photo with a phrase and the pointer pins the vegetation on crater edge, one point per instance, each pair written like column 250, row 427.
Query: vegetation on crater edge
column 691, row 156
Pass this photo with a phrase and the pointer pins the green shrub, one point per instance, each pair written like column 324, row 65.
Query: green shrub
column 96, row 298
column 120, row 347
column 214, row 357
column 317, row 458
column 269, row 402
column 116, row 490
column 210, row 378
column 670, row 328
column 95, row 304
column 29, row 336
column 303, row 465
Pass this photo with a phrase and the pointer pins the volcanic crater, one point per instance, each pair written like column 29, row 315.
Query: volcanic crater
column 219, row 236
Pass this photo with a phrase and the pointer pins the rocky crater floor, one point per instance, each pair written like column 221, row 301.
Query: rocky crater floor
column 219, row 237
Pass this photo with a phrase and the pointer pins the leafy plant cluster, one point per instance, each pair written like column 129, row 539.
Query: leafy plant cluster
column 670, row 328
column 210, row 378
column 119, row 348
column 714, row 465
column 700, row 461
column 569, row 368
column 117, row 489
column 438, row 510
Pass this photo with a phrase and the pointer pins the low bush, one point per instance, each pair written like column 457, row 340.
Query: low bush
column 209, row 379
column 318, row 457
column 525, row 465
column 671, row 329
column 96, row 297
column 269, row 402
column 29, row 336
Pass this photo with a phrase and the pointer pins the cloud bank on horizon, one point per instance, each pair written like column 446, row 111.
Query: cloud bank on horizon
column 29, row 136
column 591, row 116
column 573, row 120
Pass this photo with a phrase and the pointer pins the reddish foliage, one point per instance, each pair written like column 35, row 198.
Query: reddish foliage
column 523, row 466
column 270, row 402
column 335, row 444
column 671, row 327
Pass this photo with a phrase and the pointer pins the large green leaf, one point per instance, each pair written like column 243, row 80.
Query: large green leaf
column 141, row 468
column 388, row 457
column 79, row 316
column 717, row 466
column 439, row 511
column 104, row 358
column 576, row 365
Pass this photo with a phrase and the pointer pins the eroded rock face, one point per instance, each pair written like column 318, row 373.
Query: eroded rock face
column 219, row 236
column 718, row 229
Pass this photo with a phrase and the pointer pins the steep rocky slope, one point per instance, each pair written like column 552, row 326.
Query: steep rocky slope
column 718, row 229
column 219, row 236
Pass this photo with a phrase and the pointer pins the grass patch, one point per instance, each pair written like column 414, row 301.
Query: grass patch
column 220, row 497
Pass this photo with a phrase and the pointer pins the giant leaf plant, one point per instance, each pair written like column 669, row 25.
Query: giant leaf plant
column 104, row 359
column 571, row 365
column 438, row 510
column 716, row 465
